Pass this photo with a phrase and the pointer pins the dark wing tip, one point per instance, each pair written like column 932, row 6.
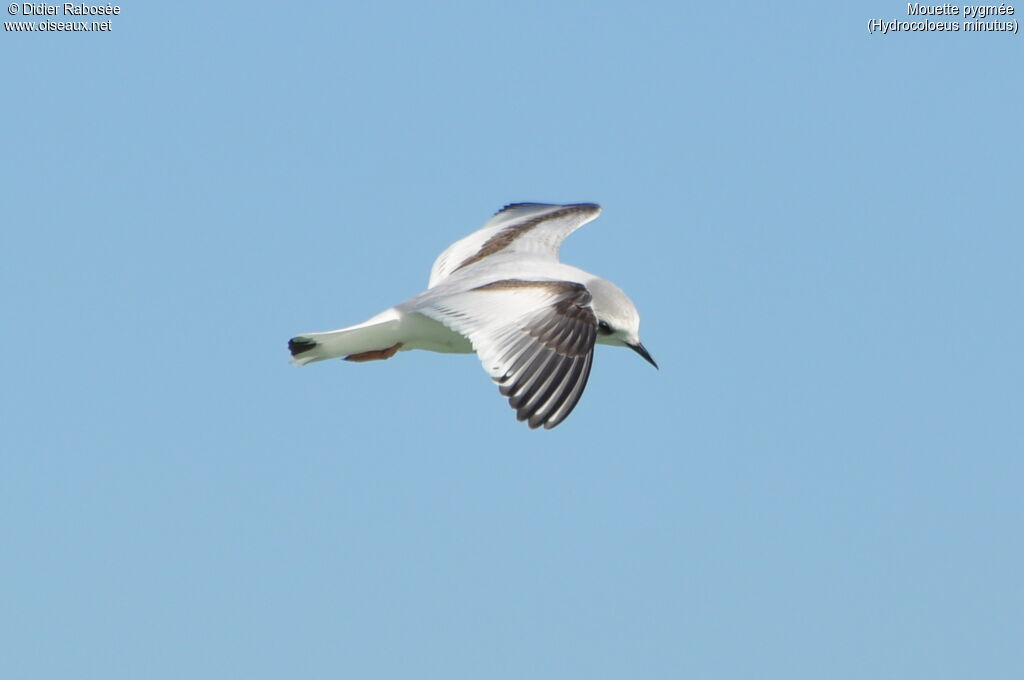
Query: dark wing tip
column 300, row 345
column 530, row 204
column 524, row 204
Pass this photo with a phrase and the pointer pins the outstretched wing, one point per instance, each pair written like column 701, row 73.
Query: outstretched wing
column 534, row 338
column 534, row 228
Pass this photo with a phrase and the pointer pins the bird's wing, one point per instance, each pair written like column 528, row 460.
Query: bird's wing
column 527, row 228
column 534, row 338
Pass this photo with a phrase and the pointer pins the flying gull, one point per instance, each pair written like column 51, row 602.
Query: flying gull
column 501, row 292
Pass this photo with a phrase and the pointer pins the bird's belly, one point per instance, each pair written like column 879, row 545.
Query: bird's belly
column 422, row 332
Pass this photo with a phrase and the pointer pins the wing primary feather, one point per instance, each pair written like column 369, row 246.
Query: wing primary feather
column 573, row 398
column 552, row 387
column 551, row 405
column 526, row 352
column 536, row 371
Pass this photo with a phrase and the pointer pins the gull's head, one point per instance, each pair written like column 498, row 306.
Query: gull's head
column 618, row 322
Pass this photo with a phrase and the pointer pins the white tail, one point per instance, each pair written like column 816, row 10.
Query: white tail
column 378, row 336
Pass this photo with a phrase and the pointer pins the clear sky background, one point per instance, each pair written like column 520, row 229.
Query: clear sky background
column 821, row 229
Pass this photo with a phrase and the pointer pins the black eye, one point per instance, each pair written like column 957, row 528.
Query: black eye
column 603, row 328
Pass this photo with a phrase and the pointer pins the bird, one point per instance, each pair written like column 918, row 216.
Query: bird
column 502, row 293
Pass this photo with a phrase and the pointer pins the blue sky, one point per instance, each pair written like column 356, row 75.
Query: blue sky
column 821, row 229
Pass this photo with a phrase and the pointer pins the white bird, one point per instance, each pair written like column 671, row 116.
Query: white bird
column 502, row 292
